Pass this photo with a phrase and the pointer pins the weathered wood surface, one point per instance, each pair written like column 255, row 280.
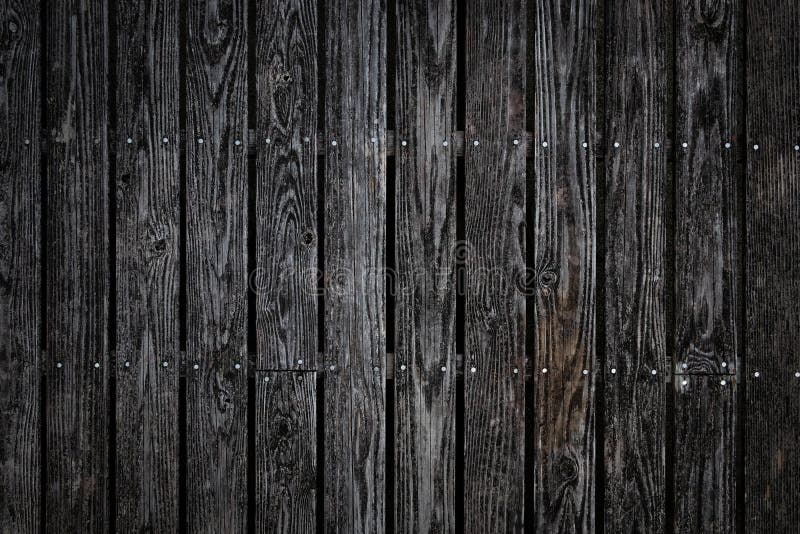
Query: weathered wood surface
column 565, row 231
column 147, row 263
column 708, row 70
column 635, row 204
column 286, row 452
column 20, row 273
column 355, row 213
column 216, row 267
column 704, row 460
column 494, row 221
column 77, row 266
column 425, row 202
column 772, row 466
column 285, row 279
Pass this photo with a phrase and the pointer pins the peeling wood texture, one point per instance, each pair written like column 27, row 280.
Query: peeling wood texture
column 636, row 191
column 355, row 249
column 216, row 266
column 494, row 215
column 772, row 466
column 425, row 194
column 285, row 279
column 565, row 274
column 78, row 276
column 147, row 267
column 286, row 466
column 20, row 273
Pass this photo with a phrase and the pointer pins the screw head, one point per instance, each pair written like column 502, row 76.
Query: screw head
column 613, row 370
column 797, row 148
column 657, row 145
column 756, row 374
column 266, row 379
column 685, row 145
column 544, row 370
column 755, row 147
column 653, row 372
column 585, row 144
column 237, row 142
column 96, row 365
column 165, row 364
column 59, row 365
column 300, row 362
column 724, row 364
column 334, row 143
column 165, row 140
column 237, row 366
column 684, row 382
column 585, row 372
column 444, row 368
column 445, row 143
column 195, row 367
column 722, row 382
column 332, row 368
column 403, row 367
column 476, row 142
column 267, row 140
column 127, row 364
column 616, row 144
column 727, row 145
column 685, row 365
column 472, row 370
column 515, row 141
column 129, row 140
column 797, row 374
column 516, row 371
column 544, row 144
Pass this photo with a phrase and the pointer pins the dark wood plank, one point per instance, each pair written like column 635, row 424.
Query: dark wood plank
column 148, row 256
column 707, row 72
column 286, row 452
column 704, row 462
column 636, row 196
column 77, row 266
column 286, row 192
column 355, row 213
column 565, row 233
column 772, row 467
column 20, row 280
column 425, row 251
column 216, row 261
column 494, row 395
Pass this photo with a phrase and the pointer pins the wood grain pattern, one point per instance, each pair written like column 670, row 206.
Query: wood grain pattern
column 565, row 232
column 425, row 251
column 286, row 452
column 772, row 467
column 20, row 272
column 704, row 460
column 636, row 195
column 355, row 243
column 494, row 214
column 147, row 263
column 707, row 73
column 286, row 194
column 77, row 266
column 217, row 266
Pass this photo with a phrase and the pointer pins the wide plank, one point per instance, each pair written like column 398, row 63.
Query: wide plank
column 425, row 190
column 565, row 271
column 20, row 269
column 355, row 249
column 216, row 266
column 635, row 294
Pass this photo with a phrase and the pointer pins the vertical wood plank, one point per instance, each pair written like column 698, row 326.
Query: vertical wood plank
column 707, row 70
column 286, row 456
column 565, row 232
column 636, row 176
column 705, row 421
column 772, row 468
column 355, row 212
column 425, row 243
column 494, row 395
column 286, row 192
column 78, row 266
column 20, row 280
column 216, row 232
column 148, row 256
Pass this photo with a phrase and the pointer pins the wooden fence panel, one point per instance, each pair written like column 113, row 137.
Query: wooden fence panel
column 148, row 241
column 355, row 248
column 425, row 350
column 565, row 231
column 20, row 272
column 216, row 266
column 494, row 222
column 77, row 266
column 772, row 466
column 635, row 210
column 286, row 192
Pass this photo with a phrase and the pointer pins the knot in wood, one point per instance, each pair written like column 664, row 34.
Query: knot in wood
column 548, row 278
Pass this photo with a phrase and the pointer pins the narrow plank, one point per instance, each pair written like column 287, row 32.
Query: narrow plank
column 494, row 395
column 77, row 266
column 425, row 251
column 147, row 263
column 20, row 280
column 286, row 452
column 636, row 195
column 286, row 191
column 707, row 74
column 704, row 468
column 216, row 265
column 772, row 468
column 565, row 234
column 355, row 243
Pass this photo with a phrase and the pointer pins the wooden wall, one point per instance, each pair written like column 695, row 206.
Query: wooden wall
column 390, row 266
